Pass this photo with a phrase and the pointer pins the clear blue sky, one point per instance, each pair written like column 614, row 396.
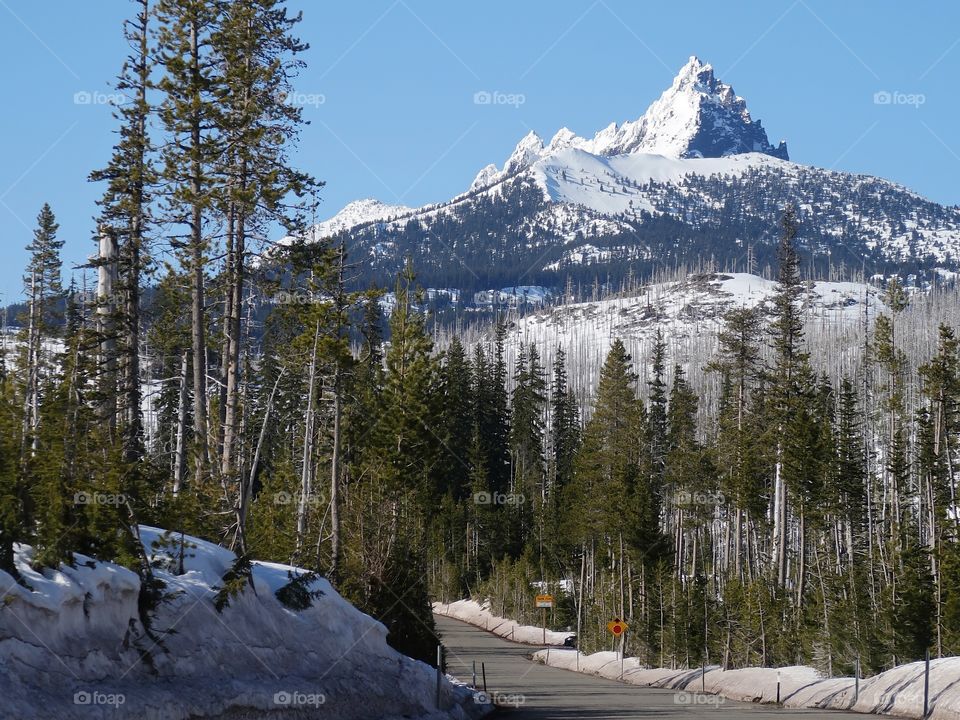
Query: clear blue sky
column 398, row 77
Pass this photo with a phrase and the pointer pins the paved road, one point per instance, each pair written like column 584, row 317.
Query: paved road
column 546, row 693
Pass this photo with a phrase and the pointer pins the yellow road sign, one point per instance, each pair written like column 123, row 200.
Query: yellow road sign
column 617, row 627
column 544, row 601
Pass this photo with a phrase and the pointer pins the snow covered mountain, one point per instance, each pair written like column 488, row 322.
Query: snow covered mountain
column 359, row 212
column 697, row 116
column 694, row 177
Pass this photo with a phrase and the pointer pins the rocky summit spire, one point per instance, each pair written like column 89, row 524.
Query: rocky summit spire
column 697, row 116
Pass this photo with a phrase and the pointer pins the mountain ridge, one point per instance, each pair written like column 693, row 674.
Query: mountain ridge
column 695, row 176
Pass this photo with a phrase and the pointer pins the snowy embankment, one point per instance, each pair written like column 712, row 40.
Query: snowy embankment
column 476, row 614
column 72, row 645
column 896, row 692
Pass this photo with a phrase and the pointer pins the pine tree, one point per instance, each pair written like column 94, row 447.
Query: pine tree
column 607, row 464
column 12, row 521
column 526, row 445
column 892, row 359
column 937, row 434
column 657, row 410
column 259, row 53
column 685, row 477
column 125, row 214
column 738, row 455
column 44, row 290
column 497, row 416
column 565, row 423
column 789, row 360
column 190, row 110
column 387, row 564
column 565, row 442
column 457, row 422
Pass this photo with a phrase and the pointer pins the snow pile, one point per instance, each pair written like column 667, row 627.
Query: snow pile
column 73, row 646
column 474, row 613
column 896, row 692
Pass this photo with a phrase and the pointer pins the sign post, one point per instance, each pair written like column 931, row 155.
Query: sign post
column 544, row 602
column 617, row 628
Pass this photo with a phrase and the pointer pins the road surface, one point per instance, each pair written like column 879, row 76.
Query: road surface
column 538, row 692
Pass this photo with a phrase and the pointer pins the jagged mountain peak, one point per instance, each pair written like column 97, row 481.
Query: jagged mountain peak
column 564, row 138
column 698, row 116
column 528, row 150
column 695, row 72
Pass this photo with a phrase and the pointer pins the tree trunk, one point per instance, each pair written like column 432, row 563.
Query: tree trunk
column 180, row 455
column 198, row 311
column 307, row 469
column 106, row 325
column 246, row 493
column 232, row 355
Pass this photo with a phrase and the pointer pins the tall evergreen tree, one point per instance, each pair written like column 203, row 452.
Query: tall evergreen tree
column 125, row 214
column 789, row 359
column 192, row 89
column 43, row 288
column 259, row 56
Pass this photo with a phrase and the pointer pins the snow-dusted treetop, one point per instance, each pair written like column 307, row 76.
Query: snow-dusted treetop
column 698, row 116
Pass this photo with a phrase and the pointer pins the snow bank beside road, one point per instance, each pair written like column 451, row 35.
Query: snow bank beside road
column 476, row 614
column 896, row 692
column 72, row 646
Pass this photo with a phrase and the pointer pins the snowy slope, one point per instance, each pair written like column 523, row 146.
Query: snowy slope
column 688, row 312
column 72, row 646
column 597, row 182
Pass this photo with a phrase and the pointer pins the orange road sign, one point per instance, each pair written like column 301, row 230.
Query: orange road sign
column 617, row 627
column 544, row 601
